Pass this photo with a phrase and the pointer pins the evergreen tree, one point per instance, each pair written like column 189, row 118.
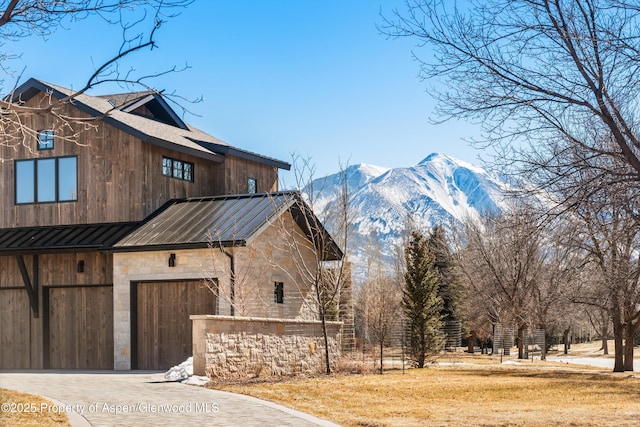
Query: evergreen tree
column 449, row 287
column 420, row 300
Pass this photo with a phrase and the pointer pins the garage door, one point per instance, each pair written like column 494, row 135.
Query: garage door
column 163, row 328
column 15, row 327
column 80, row 327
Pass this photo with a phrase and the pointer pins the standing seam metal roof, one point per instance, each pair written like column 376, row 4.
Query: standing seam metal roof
column 200, row 221
column 63, row 237
column 222, row 220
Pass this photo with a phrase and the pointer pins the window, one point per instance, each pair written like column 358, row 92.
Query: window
column 166, row 166
column 278, row 293
column 177, row 169
column 45, row 140
column 53, row 179
column 252, row 186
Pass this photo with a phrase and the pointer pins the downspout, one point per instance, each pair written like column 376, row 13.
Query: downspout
column 232, row 281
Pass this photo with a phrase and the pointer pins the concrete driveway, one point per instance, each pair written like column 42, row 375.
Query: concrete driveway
column 134, row 398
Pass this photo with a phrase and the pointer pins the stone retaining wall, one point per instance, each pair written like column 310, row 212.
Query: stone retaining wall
column 245, row 347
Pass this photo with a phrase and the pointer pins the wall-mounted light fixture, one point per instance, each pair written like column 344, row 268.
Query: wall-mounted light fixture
column 81, row 266
column 172, row 260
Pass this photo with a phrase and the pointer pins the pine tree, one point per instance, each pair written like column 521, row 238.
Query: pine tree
column 420, row 300
column 449, row 287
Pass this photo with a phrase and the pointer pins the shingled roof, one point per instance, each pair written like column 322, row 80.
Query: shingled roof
column 170, row 133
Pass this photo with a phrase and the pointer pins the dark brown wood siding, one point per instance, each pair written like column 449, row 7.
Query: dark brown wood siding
column 67, row 300
column 119, row 176
column 20, row 332
column 238, row 171
column 80, row 327
column 163, row 335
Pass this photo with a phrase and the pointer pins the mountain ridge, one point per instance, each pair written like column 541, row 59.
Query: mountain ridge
column 384, row 202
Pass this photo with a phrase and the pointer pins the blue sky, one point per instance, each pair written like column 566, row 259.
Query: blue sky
column 279, row 76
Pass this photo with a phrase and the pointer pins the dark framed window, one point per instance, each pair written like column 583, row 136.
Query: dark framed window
column 278, row 293
column 54, row 179
column 252, row 186
column 177, row 169
column 45, row 140
column 167, row 166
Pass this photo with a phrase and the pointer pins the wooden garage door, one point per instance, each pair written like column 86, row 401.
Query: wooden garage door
column 80, row 327
column 163, row 334
column 15, row 329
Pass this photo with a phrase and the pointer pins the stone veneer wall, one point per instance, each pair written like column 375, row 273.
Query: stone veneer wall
column 244, row 347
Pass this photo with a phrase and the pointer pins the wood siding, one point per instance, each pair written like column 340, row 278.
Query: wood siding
column 163, row 328
column 72, row 302
column 80, row 327
column 119, row 176
column 238, row 171
column 20, row 332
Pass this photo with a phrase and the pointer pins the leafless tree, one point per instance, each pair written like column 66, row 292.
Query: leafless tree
column 380, row 303
column 600, row 320
column 514, row 270
column 533, row 71
column 610, row 235
column 139, row 21
column 563, row 265
column 243, row 293
column 317, row 255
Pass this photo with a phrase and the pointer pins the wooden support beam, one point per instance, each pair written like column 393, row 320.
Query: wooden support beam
column 31, row 288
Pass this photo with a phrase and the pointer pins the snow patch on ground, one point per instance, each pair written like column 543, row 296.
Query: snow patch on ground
column 184, row 373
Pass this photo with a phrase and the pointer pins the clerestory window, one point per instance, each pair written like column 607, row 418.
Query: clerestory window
column 177, row 169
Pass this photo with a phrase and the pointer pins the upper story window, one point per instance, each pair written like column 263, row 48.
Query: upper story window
column 45, row 140
column 48, row 180
column 177, row 169
column 252, row 186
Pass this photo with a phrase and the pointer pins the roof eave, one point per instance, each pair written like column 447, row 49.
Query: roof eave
column 33, row 86
column 176, row 246
column 243, row 154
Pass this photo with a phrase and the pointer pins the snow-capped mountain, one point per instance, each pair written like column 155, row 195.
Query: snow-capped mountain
column 438, row 190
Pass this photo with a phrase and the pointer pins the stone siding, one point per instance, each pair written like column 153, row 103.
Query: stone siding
column 243, row 347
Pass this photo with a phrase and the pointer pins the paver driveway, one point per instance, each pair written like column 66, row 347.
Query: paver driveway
column 110, row 398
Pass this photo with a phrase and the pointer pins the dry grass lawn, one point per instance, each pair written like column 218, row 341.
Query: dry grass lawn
column 478, row 395
column 22, row 409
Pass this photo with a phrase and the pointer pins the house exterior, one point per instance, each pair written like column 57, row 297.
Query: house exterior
column 101, row 263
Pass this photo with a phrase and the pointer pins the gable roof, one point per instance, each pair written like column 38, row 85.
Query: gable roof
column 168, row 132
column 152, row 101
column 224, row 221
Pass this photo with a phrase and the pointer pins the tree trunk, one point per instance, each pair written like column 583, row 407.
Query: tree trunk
column 565, row 340
column 618, row 333
column 521, row 354
column 472, row 342
column 381, row 348
column 327, row 359
column 604, row 332
column 629, row 341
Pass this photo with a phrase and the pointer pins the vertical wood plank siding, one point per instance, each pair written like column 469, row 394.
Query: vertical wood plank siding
column 73, row 301
column 119, row 176
column 80, row 327
column 164, row 336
